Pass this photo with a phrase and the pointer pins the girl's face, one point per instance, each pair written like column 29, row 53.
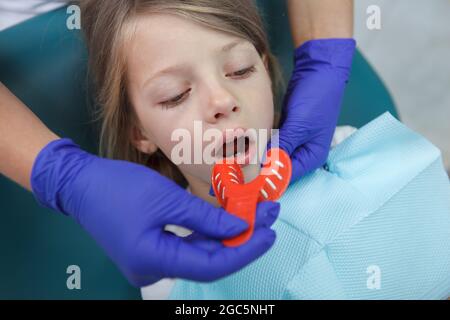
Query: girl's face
column 181, row 73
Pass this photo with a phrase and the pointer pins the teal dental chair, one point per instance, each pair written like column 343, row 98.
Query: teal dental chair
column 44, row 64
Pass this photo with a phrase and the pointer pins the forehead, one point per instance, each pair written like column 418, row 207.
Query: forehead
column 164, row 39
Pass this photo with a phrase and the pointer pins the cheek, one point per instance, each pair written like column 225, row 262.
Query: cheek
column 168, row 136
column 159, row 126
column 261, row 101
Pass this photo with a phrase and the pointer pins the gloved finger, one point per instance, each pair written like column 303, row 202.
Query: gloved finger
column 211, row 191
column 305, row 159
column 288, row 138
column 266, row 214
column 265, row 218
column 213, row 222
column 198, row 215
column 184, row 260
column 200, row 241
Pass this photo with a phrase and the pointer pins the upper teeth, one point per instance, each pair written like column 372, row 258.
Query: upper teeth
column 240, row 147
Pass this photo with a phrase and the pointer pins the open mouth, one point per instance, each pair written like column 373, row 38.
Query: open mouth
column 235, row 147
column 236, row 151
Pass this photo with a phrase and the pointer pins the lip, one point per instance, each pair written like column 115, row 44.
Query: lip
column 228, row 135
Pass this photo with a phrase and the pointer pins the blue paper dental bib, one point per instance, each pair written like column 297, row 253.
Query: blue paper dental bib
column 374, row 225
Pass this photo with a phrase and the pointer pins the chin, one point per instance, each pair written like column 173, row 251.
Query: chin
column 251, row 172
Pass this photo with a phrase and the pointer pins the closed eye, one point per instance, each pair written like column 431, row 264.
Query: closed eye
column 241, row 74
column 175, row 101
column 244, row 72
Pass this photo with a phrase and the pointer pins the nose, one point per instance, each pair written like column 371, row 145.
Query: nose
column 221, row 103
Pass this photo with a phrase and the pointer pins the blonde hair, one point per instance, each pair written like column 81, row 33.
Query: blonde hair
column 105, row 27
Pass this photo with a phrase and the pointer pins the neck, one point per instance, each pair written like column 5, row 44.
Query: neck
column 200, row 189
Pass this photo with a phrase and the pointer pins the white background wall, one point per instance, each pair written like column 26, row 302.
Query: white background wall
column 411, row 53
column 16, row 11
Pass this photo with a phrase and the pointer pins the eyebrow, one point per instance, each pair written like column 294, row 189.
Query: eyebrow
column 228, row 47
column 233, row 44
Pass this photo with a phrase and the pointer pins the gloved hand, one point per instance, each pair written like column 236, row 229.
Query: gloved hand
column 264, row 219
column 125, row 206
column 312, row 103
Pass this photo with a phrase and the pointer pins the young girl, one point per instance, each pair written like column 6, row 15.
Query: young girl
column 162, row 66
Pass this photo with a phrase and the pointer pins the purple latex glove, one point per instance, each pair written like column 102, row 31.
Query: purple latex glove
column 312, row 103
column 125, row 207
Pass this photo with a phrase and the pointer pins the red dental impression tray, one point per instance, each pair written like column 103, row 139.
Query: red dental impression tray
column 240, row 198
